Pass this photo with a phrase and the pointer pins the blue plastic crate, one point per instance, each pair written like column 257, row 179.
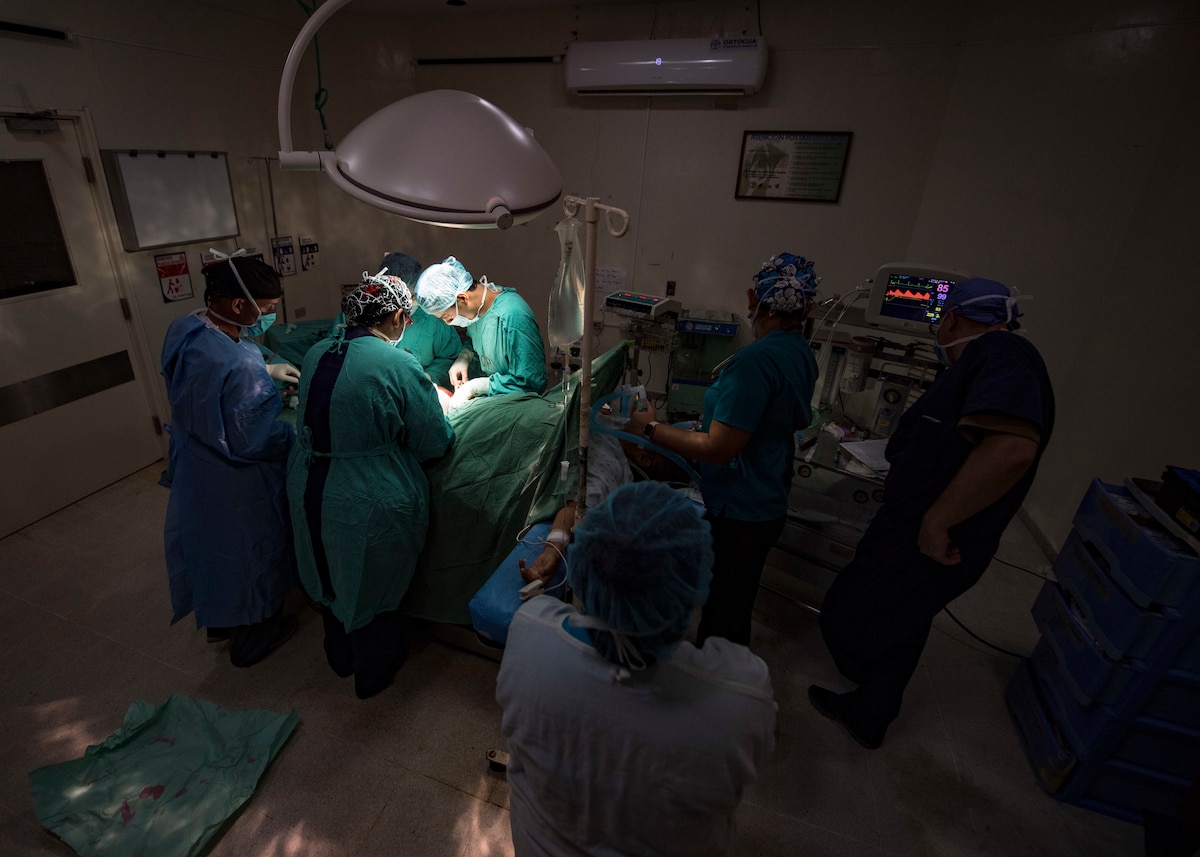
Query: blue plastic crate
column 1150, row 564
column 1175, row 699
column 1126, row 790
column 1088, row 673
column 1097, row 731
column 1085, row 727
column 1051, row 759
column 1122, row 628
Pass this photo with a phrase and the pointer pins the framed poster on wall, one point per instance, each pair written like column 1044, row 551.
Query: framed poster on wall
column 802, row 166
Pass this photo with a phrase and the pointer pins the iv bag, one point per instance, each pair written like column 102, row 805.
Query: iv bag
column 565, row 314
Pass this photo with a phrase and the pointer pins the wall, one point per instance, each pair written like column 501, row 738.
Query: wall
column 1049, row 146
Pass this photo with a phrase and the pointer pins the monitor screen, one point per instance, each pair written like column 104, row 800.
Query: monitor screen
column 910, row 297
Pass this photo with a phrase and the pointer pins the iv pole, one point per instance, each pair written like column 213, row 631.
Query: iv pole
column 593, row 207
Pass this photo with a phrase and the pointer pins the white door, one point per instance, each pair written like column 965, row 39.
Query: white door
column 74, row 412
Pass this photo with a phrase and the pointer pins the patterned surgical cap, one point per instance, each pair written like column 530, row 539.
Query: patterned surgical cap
column 377, row 296
column 786, row 283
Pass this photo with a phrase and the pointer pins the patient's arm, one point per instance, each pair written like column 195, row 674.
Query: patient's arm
column 545, row 566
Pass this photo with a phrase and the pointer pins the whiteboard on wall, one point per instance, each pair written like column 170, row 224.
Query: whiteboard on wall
column 163, row 199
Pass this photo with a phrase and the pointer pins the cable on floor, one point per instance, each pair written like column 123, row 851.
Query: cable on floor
column 1020, row 568
column 979, row 638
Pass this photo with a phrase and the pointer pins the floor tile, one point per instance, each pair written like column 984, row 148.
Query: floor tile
column 85, row 630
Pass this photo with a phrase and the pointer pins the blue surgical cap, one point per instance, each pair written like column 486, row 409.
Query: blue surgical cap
column 440, row 284
column 642, row 562
column 403, row 266
column 786, row 283
column 983, row 300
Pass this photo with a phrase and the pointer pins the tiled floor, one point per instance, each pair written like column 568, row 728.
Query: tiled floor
column 84, row 632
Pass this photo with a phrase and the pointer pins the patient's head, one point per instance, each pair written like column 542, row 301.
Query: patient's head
column 641, row 562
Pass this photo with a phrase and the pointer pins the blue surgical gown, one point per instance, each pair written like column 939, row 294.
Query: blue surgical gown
column 228, row 540
column 359, row 497
column 509, row 346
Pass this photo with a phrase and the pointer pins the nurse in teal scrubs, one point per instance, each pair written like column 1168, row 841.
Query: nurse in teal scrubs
column 746, row 443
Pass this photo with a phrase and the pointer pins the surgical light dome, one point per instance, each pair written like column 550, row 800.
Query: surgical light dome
column 444, row 157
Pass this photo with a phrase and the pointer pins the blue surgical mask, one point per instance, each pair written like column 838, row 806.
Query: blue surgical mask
column 259, row 327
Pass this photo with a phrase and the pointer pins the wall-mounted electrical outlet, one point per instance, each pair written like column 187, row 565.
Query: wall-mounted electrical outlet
column 670, row 288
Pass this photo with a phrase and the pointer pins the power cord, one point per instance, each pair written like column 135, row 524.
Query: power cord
column 1021, row 568
column 979, row 638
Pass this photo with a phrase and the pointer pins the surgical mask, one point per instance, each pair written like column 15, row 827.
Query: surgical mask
column 265, row 320
column 460, row 320
column 939, row 350
column 392, row 342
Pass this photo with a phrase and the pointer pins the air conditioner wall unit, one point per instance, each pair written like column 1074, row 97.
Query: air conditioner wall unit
column 716, row 66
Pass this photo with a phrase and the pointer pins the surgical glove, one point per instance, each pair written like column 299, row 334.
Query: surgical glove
column 458, row 371
column 469, row 390
column 284, row 373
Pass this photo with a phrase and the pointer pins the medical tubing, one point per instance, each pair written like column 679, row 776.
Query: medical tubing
column 640, row 440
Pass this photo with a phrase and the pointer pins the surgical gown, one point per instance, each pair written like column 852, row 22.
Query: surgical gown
column 369, row 417
column 509, row 346
column 434, row 343
column 228, row 539
column 651, row 764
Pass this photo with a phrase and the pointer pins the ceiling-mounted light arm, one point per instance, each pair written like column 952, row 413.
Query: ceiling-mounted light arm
column 289, row 159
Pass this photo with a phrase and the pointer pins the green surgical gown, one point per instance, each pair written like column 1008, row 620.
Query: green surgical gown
column 384, row 420
column 434, row 343
column 509, row 346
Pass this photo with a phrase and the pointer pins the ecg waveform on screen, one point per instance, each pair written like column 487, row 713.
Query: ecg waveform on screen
column 906, row 295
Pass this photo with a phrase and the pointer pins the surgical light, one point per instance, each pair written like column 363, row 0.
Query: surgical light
column 445, row 157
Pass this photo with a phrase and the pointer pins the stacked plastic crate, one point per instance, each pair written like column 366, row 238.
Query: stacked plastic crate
column 1108, row 704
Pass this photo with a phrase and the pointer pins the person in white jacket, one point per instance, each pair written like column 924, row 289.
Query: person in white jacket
column 623, row 738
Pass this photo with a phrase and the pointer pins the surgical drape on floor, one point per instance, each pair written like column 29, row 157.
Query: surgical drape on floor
column 502, row 473
column 163, row 784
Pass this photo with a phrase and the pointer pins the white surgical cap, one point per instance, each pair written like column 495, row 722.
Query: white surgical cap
column 440, row 284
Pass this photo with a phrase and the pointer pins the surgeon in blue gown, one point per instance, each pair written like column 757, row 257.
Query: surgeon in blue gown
column 227, row 534
column 505, row 352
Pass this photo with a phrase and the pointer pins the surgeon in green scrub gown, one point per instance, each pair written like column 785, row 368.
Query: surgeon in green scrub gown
column 368, row 417
column 505, row 353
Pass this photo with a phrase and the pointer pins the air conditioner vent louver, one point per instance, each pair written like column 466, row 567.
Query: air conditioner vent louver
column 716, row 66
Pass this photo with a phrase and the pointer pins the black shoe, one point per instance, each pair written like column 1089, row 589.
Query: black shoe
column 829, row 704
column 367, row 686
column 217, row 635
column 287, row 627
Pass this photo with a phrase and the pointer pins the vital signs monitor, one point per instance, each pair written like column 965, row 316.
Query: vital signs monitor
column 908, row 298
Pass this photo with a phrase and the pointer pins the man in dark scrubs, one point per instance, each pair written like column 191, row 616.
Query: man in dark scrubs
column 962, row 460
